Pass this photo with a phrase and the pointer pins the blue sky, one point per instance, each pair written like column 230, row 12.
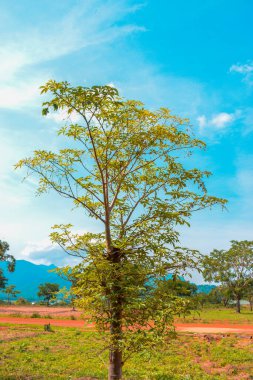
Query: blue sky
column 195, row 57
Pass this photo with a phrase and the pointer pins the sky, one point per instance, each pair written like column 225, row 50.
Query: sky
column 194, row 57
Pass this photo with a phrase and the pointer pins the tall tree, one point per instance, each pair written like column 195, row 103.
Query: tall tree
column 48, row 291
column 11, row 292
column 127, row 167
column 4, row 256
column 232, row 268
column 248, row 294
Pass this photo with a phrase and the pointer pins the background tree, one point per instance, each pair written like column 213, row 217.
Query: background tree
column 220, row 295
column 176, row 286
column 66, row 294
column 22, row 301
column 232, row 268
column 248, row 294
column 124, row 167
column 48, row 291
column 10, row 292
column 4, row 256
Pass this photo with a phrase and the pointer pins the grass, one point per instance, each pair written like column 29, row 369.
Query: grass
column 70, row 353
column 209, row 315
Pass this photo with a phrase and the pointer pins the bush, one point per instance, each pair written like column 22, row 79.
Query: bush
column 35, row 315
column 21, row 301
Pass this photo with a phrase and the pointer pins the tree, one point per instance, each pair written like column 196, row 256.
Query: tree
column 124, row 167
column 22, row 301
column 176, row 286
column 4, row 256
column 232, row 268
column 10, row 292
column 67, row 294
column 220, row 295
column 48, row 291
column 248, row 294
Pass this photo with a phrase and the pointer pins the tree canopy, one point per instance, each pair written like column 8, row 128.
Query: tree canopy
column 48, row 291
column 4, row 256
column 127, row 167
column 233, row 268
column 11, row 292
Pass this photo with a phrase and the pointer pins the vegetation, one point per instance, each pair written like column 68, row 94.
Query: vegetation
column 28, row 352
column 22, row 301
column 10, row 292
column 48, row 291
column 219, row 313
column 4, row 256
column 232, row 268
column 124, row 167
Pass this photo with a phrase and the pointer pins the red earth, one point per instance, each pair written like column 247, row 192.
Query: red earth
column 185, row 327
column 60, row 316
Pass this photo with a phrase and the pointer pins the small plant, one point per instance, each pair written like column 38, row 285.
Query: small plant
column 17, row 315
column 72, row 317
column 35, row 315
column 48, row 328
column 23, row 347
column 48, row 316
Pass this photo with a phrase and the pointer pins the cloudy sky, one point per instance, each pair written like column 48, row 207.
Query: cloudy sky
column 195, row 57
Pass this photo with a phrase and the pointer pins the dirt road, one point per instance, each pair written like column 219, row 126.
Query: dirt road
column 184, row 327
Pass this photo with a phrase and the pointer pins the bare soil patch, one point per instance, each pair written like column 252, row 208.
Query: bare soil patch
column 29, row 310
column 8, row 334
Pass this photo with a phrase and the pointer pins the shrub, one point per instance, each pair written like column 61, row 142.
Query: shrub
column 35, row 315
column 21, row 301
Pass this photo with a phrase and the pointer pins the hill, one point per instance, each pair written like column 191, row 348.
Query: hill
column 28, row 276
column 205, row 288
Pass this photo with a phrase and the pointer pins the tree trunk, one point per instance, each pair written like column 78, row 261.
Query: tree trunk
column 251, row 305
column 238, row 305
column 115, row 366
column 115, row 355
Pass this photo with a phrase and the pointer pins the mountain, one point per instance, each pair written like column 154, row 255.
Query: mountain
column 28, row 276
column 205, row 288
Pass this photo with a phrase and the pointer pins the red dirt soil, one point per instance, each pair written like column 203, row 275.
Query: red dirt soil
column 186, row 327
column 28, row 310
column 60, row 316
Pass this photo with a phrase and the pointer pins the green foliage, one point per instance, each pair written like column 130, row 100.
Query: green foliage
column 220, row 295
column 48, row 291
column 35, row 315
column 124, row 166
column 4, row 256
column 232, row 268
column 10, row 292
column 22, row 301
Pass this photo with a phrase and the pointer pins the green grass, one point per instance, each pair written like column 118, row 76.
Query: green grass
column 69, row 353
column 209, row 315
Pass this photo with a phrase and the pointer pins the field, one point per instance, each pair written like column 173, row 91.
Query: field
column 27, row 352
column 209, row 315
column 70, row 353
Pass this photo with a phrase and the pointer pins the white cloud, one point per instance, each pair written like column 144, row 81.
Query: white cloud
column 44, row 252
column 63, row 115
column 221, row 120
column 33, row 45
column 217, row 122
column 202, row 121
column 246, row 70
column 242, row 69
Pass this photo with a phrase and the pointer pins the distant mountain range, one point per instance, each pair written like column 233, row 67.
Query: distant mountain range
column 28, row 276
